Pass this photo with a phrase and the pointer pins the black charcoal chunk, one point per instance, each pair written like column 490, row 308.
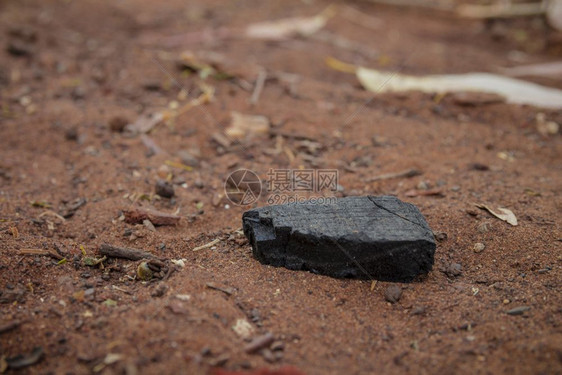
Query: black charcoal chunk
column 381, row 238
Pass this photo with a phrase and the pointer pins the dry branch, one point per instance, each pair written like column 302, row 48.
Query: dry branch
column 123, row 252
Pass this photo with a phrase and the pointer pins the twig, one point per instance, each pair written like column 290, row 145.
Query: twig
column 404, row 174
column 125, row 253
column 49, row 253
column 431, row 4
column 9, row 326
column 207, row 245
column 260, row 82
column 138, row 215
column 151, row 144
column 259, row 342
column 227, row 291
column 291, row 135
column 53, row 213
column 500, row 10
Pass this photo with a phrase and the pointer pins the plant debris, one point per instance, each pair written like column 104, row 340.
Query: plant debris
column 429, row 192
column 504, row 214
column 70, row 208
column 289, row 27
column 207, row 245
column 227, row 291
column 50, row 253
column 259, row 343
column 144, row 124
column 246, row 125
column 513, row 90
column 144, row 273
column 409, row 173
column 138, row 215
column 25, row 360
column 6, row 327
column 124, row 253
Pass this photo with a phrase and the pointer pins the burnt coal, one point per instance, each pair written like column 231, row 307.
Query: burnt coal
column 367, row 237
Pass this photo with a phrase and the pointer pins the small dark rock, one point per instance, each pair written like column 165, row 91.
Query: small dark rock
column 519, row 310
column 152, row 86
column 164, row 189
column 117, row 124
column 71, row 134
column 453, row 270
column 24, row 33
column 20, row 49
column 393, row 293
column 478, row 167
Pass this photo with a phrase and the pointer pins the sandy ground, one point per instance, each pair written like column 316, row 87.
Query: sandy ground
column 73, row 72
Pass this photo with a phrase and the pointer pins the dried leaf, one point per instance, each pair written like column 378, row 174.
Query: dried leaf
column 145, row 124
column 41, row 204
column 289, row 27
column 551, row 70
column 554, row 14
column 514, row 90
column 504, row 214
column 244, row 125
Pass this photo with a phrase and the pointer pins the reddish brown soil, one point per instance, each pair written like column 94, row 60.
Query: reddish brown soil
column 90, row 62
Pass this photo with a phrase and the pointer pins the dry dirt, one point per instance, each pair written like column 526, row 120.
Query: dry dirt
column 70, row 69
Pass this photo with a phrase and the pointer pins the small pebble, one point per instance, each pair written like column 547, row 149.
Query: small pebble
column 484, row 227
column 148, row 224
column 268, row 355
column 277, row 345
column 440, row 236
column 164, row 189
column 422, row 185
column 519, row 310
column 188, row 159
column 453, row 270
column 418, row 310
column 71, row 134
column 393, row 293
column 478, row 247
